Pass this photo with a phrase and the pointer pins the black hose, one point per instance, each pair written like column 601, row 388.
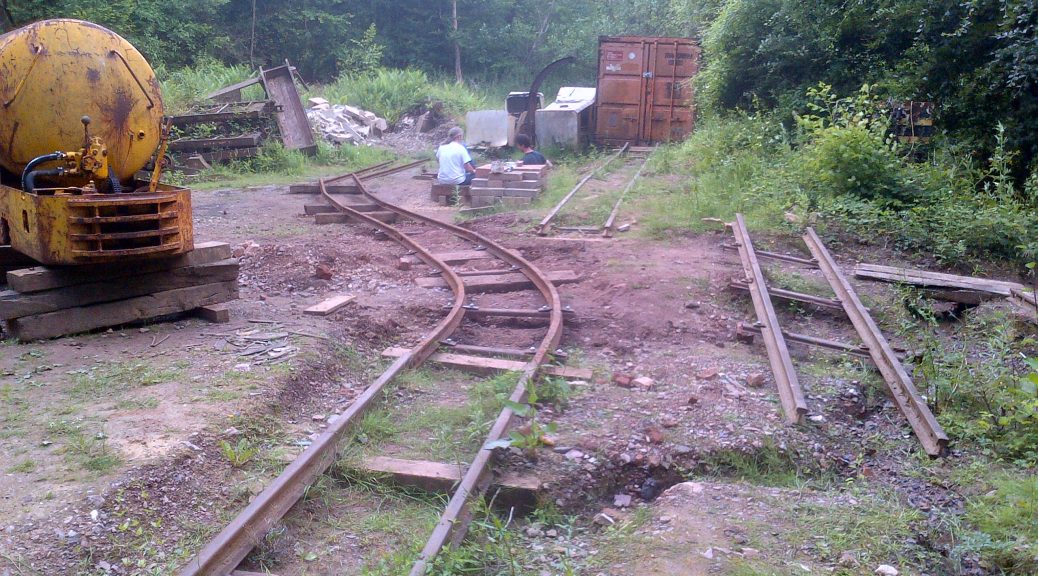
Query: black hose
column 26, row 180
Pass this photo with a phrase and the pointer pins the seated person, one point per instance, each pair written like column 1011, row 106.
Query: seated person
column 531, row 157
column 455, row 161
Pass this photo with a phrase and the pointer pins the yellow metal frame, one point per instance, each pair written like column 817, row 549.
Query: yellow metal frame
column 59, row 227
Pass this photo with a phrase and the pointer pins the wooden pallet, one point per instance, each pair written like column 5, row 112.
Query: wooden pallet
column 43, row 302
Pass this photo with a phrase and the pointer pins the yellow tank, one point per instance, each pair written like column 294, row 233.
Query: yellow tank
column 55, row 72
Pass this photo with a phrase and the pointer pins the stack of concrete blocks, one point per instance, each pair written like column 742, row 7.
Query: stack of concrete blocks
column 515, row 188
column 442, row 194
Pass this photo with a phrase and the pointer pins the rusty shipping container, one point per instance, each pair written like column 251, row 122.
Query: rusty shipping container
column 645, row 89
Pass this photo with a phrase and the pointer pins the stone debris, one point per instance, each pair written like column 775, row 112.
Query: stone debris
column 341, row 124
column 886, row 570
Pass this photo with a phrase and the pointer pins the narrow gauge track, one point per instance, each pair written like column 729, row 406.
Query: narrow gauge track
column 609, row 226
column 228, row 549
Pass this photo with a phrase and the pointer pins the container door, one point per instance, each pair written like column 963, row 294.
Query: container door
column 621, row 91
column 671, row 114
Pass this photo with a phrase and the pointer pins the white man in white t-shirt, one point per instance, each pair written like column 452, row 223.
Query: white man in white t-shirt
column 455, row 161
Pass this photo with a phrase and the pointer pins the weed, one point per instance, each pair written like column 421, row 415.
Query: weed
column 1007, row 518
column 26, row 466
column 238, row 454
column 146, row 403
column 91, row 452
column 109, row 378
column 766, row 466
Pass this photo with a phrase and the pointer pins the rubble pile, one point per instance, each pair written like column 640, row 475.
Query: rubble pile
column 339, row 123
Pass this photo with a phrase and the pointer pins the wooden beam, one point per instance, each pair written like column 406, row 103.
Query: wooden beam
column 314, row 188
column 41, row 278
column 516, row 489
column 203, row 144
column 215, row 313
column 344, row 218
column 502, row 283
column 483, row 365
column 330, row 306
column 85, row 318
column 459, row 257
column 934, row 279
column 17, row 304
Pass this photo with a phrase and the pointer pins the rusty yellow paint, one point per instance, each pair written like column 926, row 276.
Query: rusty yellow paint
column 54, row 72
column 56, row 227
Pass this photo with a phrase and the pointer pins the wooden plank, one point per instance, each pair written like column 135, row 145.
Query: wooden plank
column 934, row 279
column 41, row 278
column 203, row 144
column 441, row 477
column 315, row 209
column 232, row 88
column 484, row 365
column 85, row 318
column 501, row 283
column 216, row 313
column 330, row 306
column 17, row 304
column 313, row 188
column 293, row 125
column 343, row 218
column 459, row 257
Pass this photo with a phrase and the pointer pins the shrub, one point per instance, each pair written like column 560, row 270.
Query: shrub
column 391, row 93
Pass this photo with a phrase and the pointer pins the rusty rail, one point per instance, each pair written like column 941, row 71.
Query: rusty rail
column 454, row 521
column 792, row 397
column 607, row 228
column 542, row 228
column 224, row 552
column 908, row 401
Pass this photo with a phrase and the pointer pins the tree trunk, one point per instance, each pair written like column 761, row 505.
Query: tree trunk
column 8, row 18
column 457, row 47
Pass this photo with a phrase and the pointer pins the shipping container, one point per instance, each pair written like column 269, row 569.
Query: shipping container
column 645, row 89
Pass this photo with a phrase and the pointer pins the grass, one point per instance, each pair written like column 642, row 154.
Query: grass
column 26, row 466
column 877, row 528
column 109, row 378
column 1006, row 519
column 764, row 466
column 391, row 93
column 182, row 89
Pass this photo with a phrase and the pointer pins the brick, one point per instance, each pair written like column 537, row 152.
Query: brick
column 520, row 193
column 508, row 176
column 483, row 172
column 483, row 202
column 515, row 202
column 532, row 176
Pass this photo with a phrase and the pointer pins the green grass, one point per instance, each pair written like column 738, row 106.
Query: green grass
column 390, row 93
column 1006, row 517
column 187, row 87
column 26, row 466
column 879, row 529
column 105, row 379
column 764, row 466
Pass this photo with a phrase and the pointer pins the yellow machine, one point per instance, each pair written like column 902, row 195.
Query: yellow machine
column 80, row 115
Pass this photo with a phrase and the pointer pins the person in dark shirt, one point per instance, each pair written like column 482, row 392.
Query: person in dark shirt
column 531, row 157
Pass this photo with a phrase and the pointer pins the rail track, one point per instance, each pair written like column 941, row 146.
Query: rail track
column 225, row 552
column 609, row 226
column 874, row 344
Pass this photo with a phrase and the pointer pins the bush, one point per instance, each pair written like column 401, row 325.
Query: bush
column 854, row 160
column 187, row 87
column 391, row 93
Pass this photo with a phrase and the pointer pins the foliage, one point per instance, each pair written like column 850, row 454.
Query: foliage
column 1006, row 518
column 362, row 55
column 187, row 87
column 391, row 93
column 987, row 396
column 238, row 454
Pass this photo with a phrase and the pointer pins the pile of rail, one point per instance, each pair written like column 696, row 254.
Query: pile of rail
column 223, row 554
column 46, row 302
column 609, row 227
column 899, row 383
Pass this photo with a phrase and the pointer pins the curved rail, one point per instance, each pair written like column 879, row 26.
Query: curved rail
column 224, row 552
column 455, row 519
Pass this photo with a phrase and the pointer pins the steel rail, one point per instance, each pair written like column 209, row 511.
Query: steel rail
column 908, row 401
column 607, row 228
column 792, row 397
column 225, row 551
column 541, row 229
column 453, row 523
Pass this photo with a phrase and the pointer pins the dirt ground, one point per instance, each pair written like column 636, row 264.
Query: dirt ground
column 119, row 446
